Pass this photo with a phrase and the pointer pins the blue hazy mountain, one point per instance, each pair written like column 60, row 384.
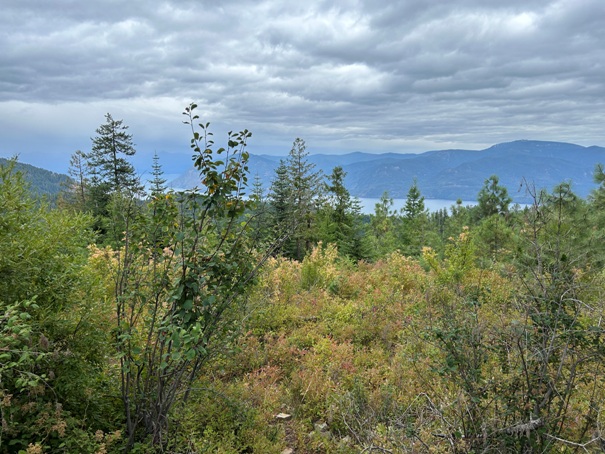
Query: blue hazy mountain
column 451, row 174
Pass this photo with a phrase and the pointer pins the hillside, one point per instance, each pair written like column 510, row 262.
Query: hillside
column 41, row 181
column 451, row 174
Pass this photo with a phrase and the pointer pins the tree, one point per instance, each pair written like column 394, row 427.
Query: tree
column 493, row 198
column 158, row 183
column 558, row 357
column 439, row 220
column 107, row 158
column 340, row 214
column 177, row 300
column 414, row 225
column 260, row 214
column 598, row 196
column 382, row 227
column 294, row 197
column 414, row 203
column 305, row 186
column 596, row 201
column 113, row 181
column 78, row 171
column 492, row 215
column 280, row 196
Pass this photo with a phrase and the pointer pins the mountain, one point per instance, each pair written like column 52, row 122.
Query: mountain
column 41, row 181
column 452, row 174
column 441, row 174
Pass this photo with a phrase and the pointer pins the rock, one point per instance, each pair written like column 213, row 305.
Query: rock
column 320, row 427
column 288, row 451
column 283, row 417
column 346, row 441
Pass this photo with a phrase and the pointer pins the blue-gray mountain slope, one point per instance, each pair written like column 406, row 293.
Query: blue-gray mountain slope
column 453, row 174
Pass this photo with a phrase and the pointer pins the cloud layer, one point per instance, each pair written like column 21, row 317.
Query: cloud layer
column 409, row 75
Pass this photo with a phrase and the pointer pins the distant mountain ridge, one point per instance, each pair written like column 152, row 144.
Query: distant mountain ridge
column 41, row 181
column 441, row 174
column 450, row 174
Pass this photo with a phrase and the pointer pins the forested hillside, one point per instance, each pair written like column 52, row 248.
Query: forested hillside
column 233, row 319
column 40, row 181
column 451, row 174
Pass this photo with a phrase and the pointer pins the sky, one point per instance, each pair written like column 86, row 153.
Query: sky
column 352, row 75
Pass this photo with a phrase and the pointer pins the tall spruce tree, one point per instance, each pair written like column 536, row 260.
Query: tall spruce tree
column 414, row 202
column 158, row 183
column 280, row 197
column 306, row 189
column 414, row 225
column 260, row 213
column 341, row 223
column 107, row 159
column 114, row 186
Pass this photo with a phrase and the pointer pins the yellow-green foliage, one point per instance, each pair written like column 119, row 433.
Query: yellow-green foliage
column 393, row 355
column 436, row 354
column 318, row 268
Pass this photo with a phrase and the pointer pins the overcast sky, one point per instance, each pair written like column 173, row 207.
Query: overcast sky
column 350, row 75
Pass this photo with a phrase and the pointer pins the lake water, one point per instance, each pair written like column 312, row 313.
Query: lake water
column 367, row 204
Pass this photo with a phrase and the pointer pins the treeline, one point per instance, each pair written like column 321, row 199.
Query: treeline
column 155, row 321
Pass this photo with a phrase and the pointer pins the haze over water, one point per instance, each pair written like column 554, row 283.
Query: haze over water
column 368, row 204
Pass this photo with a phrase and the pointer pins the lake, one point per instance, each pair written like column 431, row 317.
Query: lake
column 367, row 204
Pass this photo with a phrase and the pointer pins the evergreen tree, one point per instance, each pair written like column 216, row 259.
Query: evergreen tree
column 491, row 215
column 107, row 159
column 414, row 203
column 414, row 225
column 341, row 217
column 280, row 197
column 305, row 184
column 596, row 208
column 261, row 217
column 461, row 217
column 382, row 227
column 114, row 186
column 439, row 220
column 493, row 198
column 158, row 183
column 597, row 197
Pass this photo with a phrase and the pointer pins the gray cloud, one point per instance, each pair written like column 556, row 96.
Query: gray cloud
column 405, row 75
